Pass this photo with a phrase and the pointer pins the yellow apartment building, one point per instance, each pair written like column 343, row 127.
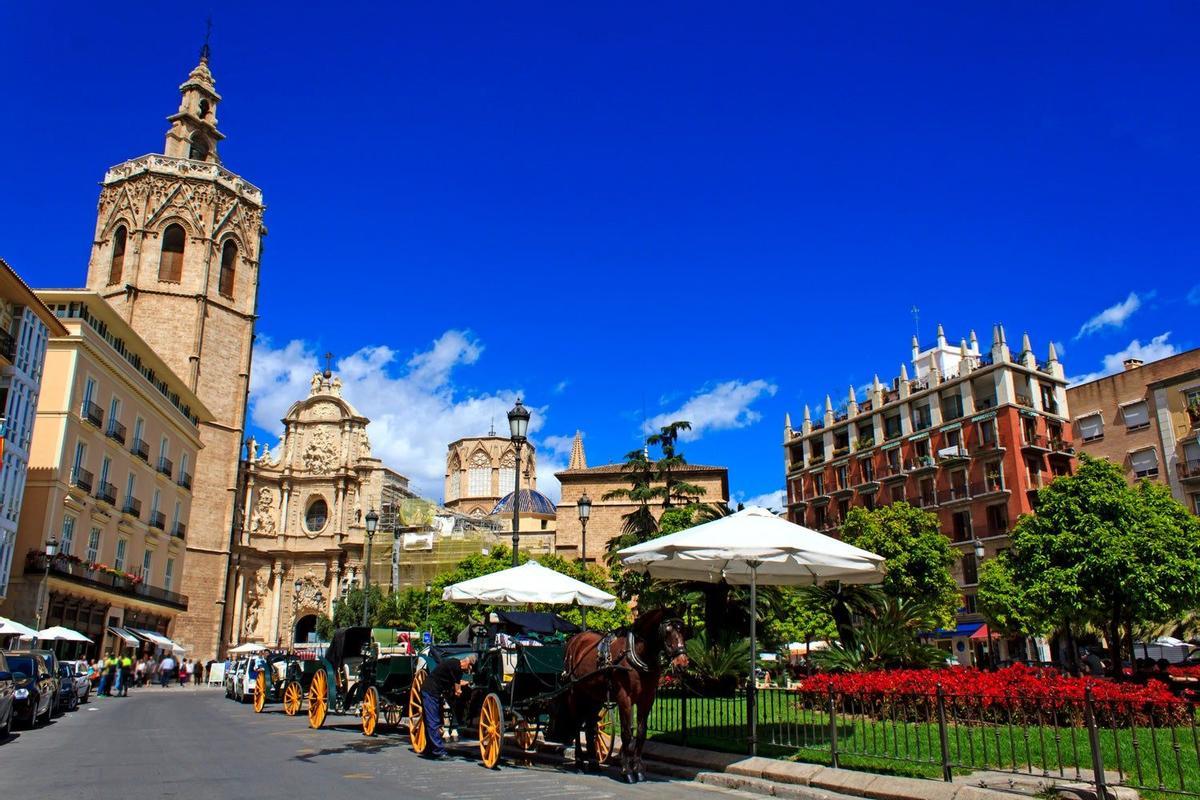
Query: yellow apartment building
column 114, row 449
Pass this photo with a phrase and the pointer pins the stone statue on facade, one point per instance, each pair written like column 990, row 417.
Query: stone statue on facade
column 262, row 519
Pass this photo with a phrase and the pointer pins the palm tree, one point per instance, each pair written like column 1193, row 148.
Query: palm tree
column 672, row 489
column 843, row 602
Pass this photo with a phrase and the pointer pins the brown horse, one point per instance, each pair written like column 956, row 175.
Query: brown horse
column 623, row 667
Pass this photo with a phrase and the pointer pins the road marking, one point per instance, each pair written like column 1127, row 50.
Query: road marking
column 358, row 776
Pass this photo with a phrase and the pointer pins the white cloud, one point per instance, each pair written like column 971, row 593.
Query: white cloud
column 1156, row 349
column 723, row 407
column 1193, row 296
column 414, row 408
column 561, row 386
column 1113, row 316
column 773, row 501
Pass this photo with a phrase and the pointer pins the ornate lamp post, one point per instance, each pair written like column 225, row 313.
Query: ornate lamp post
column 518, row 426
column 372, row 524
column 51, row 552
column 584, row 504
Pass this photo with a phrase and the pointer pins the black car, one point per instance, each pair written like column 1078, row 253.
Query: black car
column 36, row 687
column 6, row 698
column 68, row 698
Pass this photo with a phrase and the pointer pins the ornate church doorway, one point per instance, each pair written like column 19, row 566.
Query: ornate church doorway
column 304, row 626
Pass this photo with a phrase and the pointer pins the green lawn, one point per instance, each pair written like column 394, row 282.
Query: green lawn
column 1162, row 760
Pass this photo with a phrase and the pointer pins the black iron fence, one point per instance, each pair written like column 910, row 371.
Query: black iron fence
column 1150, row 745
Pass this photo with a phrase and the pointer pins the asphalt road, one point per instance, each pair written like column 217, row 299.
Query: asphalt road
column 195, row 744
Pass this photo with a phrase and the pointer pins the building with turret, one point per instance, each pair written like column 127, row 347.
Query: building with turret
column 967, row 435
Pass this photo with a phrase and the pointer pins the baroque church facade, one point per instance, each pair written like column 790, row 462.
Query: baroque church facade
column 301, row 538
column 176, row 252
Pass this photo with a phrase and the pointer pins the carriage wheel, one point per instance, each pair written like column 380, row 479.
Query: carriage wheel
column 526, row 736
column 370, row 711
column 260, row 692
column 292, row 694
column 491, row 730
column 317, row 699
column 391, row 715
column 416, row 713
column 606, row 735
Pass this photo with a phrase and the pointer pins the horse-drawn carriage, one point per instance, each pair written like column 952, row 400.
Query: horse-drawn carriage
column 283, row 677
column 355, row 678
column 517, row 686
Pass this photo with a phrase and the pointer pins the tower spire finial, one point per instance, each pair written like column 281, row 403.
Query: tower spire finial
column 205, row 52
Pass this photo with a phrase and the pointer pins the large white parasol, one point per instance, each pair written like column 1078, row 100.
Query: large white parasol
column 528, row 583
column 10, row 627
column 248, row 647
column 60, row 634
column 751, row 547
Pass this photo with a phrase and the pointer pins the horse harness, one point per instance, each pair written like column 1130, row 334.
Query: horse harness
column 604, row 648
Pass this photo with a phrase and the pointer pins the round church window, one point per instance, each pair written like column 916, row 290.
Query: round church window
column 317, row 516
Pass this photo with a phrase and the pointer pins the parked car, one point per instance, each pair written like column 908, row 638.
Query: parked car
column 52, row 665
column 83, row 685
column 240, row 682
column 7, row 687
column 35, row 688
column 68, row 698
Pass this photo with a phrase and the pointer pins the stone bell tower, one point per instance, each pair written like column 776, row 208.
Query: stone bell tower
column 176, row 252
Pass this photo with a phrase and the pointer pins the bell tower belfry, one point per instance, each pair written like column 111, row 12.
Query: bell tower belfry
column 176, row 253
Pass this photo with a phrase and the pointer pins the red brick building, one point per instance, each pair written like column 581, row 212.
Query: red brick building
column 970, row 436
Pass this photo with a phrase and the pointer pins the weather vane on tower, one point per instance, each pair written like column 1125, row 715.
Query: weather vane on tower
column 328, row 364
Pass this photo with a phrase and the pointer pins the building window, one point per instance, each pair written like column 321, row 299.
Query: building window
column 479, row 476
column 169, row 574
column 921, row 418
column 818, row 485
column 138, row 426
column 970, row 568
column 80, row 460
column 987, row 432
column 508, row 480
column 969, row 605
column 147, row 560
column 1091, row 427
column 962, row 526
column 119, row 561
column 867, row 467
column 317, row 515
column 898, row 493
column 1191, row 397
column 198, row 151
column 997, row 520
column 952, row 406
column 93, row 548
column 843, row 480
column 891, row 426
column 1144, row 463
column 117, row 266
column 68, row 535
column 170, row 262
column 155, row 499
column 1136, row 415
column 228, row 268
column 175, row 516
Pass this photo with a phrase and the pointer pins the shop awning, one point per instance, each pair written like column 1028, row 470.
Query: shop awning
column 153, row 638
column 983, row 633
column 962, row 629
column 129, row 638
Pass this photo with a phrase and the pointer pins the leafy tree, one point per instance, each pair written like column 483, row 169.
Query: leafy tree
column 1003, row 603
column 918, row 555
column 1102, row 551
column 886, row 639
column 842, row 602
column 792, row 618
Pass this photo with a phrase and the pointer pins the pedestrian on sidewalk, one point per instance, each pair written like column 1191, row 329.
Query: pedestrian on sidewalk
column 185, row 669
column 166, row 670
column 126, row 673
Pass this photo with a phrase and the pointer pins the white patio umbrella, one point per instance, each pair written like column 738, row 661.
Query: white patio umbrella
column 753, row 547
column 528, row 583
column 10, row 627
column 248, row 647
column 60, row 634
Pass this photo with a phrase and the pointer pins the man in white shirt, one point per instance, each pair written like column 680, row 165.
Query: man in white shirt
column 166, row 669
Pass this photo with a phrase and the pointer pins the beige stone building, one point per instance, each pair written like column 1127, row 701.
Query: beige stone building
column 26, row 326
column 176, row 253
column 1147, row 419
column 481, row 470
column 114, row 446
column 301, row 533
column 605, row 522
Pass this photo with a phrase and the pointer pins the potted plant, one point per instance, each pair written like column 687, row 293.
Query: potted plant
column 1193, row 411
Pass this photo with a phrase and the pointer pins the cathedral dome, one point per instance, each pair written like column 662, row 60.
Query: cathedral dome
column 532, row 502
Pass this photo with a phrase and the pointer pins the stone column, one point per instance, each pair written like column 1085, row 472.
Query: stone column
column 335, row 585
column 238, row 605
column 285, row 490
column 277, row 580
column 246, row 520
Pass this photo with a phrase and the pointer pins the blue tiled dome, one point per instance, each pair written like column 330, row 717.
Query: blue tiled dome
column 532, row 502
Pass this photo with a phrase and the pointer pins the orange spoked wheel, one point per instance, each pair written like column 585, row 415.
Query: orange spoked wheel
column 491, row 730
column 526, row 735
column 416, row 713
column 318, row 699
column 260, row 692
column 606, row 735
column 292, row 695
column 370, row 711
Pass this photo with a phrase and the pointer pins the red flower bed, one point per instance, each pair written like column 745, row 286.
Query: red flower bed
column 1189, row 671
column 1015, row 694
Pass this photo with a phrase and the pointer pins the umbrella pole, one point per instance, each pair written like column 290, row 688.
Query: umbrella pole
column 752, row 686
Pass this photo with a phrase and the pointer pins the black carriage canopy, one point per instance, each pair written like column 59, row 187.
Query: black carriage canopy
column 347, row 643
column 526, row 622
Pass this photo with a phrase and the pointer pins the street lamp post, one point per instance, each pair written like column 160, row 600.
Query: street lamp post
column 51, row 552
column 518, row 427
column 428, row 589
column 584, row 504
column 980, row 552
column 372, row 523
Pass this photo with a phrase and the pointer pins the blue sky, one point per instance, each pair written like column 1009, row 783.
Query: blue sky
column 638, row 212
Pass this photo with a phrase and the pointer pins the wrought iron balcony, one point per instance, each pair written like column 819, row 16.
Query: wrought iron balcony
column 116, row 431
column 165, row 466
column 83, row 479
column 1035, row 441
column 179, row 531
column 185, row 480
column 132, row 507
column 92, row 413
column 955, row 494
column 107, row 493
column 1188, row 470
column 158, row 520
column 140, row 449
column 77, row 571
